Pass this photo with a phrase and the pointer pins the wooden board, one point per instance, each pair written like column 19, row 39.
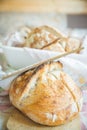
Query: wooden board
column 18, row 121
column 60, row 6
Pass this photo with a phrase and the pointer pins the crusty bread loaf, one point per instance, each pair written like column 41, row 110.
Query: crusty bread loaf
column 48, row 38
column 42, row 36
column 46, row 95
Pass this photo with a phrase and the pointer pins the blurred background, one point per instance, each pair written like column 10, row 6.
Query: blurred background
column 66, row 15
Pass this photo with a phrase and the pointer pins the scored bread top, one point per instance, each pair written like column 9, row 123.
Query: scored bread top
column 21, row 81
column 48, row 38
column 46, row 95
column 42, row 36
column 57, row 45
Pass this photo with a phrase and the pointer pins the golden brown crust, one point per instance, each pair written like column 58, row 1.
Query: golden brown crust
column 55, row 46
column 48, row 38
column 42, row 36
column 47, row 95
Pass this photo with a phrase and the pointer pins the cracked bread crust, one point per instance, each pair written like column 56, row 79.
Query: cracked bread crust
column 56, row 45
column 42, row 36
column 46, row 95
column 48, row 38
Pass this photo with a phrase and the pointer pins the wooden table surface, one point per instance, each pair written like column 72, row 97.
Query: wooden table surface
column 60, row 6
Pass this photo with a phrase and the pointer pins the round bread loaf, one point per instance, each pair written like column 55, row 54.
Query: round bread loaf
column 46, row 94
column 42, row 36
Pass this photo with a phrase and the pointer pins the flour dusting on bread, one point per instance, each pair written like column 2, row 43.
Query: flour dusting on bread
column 46, row 94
